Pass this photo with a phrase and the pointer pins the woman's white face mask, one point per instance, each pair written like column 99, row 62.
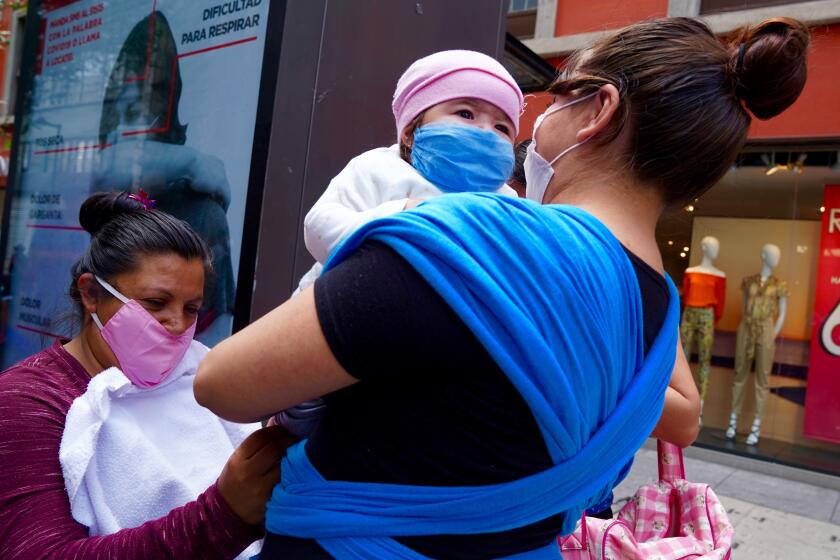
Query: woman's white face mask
column 539, row 171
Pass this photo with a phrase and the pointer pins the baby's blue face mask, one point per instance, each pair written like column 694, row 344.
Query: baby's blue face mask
column 459, row 158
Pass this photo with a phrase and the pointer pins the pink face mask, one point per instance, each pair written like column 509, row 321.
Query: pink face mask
column 146, row 351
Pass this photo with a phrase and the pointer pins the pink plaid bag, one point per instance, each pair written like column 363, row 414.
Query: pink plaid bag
column 671, row 519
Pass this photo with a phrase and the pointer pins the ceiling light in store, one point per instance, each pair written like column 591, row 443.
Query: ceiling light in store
column 822, row 209
column 689, row 208
column 795, row 166
column 685, row 249
column 670, row 243
column 682, row 255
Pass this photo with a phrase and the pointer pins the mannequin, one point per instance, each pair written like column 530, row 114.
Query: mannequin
column 765, row 306
column 704, row 295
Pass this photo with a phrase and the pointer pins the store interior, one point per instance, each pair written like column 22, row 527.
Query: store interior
column 772, row 195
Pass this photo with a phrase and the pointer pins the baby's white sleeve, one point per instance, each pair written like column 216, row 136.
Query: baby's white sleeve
column 351, row 200
column 507, row 190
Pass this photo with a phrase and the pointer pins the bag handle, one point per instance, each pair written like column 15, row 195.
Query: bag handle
column 671, row 468
column 670, row 458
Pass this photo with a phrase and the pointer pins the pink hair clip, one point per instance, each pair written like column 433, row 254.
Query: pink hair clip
column 143, row 198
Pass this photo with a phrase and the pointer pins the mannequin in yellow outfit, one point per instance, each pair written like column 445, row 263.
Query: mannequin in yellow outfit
column 765, row 305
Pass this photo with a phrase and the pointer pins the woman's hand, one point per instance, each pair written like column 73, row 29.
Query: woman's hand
column 251, row 473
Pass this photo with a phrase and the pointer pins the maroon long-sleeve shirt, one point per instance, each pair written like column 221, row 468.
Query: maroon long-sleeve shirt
column 35, row 519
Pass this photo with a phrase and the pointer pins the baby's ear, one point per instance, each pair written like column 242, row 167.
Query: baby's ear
column 407, row 138
column 405, row 151
column 406, row 143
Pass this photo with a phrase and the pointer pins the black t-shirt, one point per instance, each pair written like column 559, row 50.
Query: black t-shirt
column 431, row 407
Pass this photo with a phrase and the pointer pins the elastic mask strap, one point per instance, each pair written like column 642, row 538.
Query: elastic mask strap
column 569, row 149
column 113, row 291
column 569, row 104
column 96, row 320
column 551, row 112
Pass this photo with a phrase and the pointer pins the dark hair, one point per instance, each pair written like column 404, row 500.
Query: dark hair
column 123, row 230
column 686, row 95
column 408, row 133
column 519, row 152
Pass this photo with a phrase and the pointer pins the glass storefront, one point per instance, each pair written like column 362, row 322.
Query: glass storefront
column 758, row 261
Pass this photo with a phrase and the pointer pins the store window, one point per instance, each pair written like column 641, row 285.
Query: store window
column 758, row 260
column 718, row 6
column 519, row 6
column 522, row 18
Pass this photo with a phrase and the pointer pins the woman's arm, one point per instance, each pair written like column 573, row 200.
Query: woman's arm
column 205, row 528
column 278, row 361
column 679, row 423
column 35, row 518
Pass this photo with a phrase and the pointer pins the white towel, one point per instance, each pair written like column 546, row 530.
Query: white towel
column 130, row 455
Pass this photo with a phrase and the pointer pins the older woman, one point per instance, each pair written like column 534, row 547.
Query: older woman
column 138, row 289
column 492, row 365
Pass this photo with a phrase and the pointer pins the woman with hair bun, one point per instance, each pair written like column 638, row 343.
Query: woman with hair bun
column 138, row 288
column 492, row 364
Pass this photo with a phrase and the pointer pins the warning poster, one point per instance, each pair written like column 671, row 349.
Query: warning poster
column 130, row 94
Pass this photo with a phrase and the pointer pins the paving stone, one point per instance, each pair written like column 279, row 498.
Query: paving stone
column 836, row 517
column 768, row 534
column 783, row 495
column 704, row 471
column 737, row 510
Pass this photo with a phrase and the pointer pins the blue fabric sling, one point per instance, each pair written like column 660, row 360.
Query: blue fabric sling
column 553, row 297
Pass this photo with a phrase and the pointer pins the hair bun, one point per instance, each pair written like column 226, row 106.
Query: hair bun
column 771, row 74
column 101, row 208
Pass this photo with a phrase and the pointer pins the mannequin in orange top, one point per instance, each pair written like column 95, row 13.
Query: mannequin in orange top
column 704, row 293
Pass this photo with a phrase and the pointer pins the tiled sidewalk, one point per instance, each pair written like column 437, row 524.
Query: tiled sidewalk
column 774, row 518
